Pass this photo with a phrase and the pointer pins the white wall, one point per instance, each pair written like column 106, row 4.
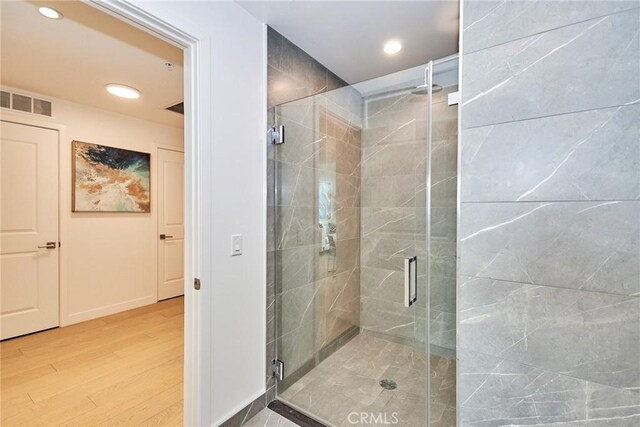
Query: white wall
column 231, row 177
column 108, row 261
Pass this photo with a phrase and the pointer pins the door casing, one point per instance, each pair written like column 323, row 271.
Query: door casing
column 197, row 330
column 174, row 240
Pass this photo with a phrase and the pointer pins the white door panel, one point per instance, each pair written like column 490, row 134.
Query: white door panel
column 28, row 219
column 170, row 224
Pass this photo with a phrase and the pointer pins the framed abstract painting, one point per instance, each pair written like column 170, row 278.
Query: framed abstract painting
column 108, row 179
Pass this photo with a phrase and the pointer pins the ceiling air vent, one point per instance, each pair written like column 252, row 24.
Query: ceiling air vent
column 178, row 108
column 26, row 104
column 40, row 106
column 21, row 103
column 5, row 99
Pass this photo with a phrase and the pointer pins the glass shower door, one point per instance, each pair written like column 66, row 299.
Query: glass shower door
column 317, row 242
column 442, row 208
column 350, row 243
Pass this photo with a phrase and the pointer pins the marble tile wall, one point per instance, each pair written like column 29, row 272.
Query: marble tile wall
column 292, row 73
column 549, row 285
column 393, row 154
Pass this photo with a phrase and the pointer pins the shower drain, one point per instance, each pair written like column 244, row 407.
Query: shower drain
column 388, row 384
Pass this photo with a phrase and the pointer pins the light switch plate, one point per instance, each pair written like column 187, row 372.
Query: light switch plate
column 236, row 244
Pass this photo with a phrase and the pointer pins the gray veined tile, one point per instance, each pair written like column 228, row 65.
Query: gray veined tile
column 296, row 226
column 382, row 284
column 348, row 159
column 388, row 191
column 296, row 185
column 592, row 155
column 388, row 318
column 386, row 253
column 295, row 266
column 268, row 418
column 579, row 245
column 307, row 75
column 271, row 227
column 348, row 192
column 443, row 222
column 443, row 257
column 588, row 335
column 395, row 119
column 360, row 388
column 345, row 105
column 444, row 155
column 442, row 329
column 250, row 411
column 394, row 222
column 488, row 23
column 593, row 64
column 299, row 307
column 270, row 380
column 347, row 223
column 496, row 392
column 443, row 190
column 347, row 257
column 297, row 347
column 443, row 293
column 271, row 181
column 278, row 78
column 301, row 112
column 445, row 121
column 391, row 159
column 337, row 306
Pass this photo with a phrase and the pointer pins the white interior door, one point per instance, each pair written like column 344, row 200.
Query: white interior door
column 28, row 229
column 170, row 224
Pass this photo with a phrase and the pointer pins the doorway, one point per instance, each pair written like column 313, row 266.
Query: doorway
column 29, row 249
column 48, row 314
column 170, row 224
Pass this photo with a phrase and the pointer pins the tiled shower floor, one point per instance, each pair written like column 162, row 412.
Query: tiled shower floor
column 346, row 385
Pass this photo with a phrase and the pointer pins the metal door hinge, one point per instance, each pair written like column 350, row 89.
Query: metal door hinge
column 196, row 284
column 277, row 369
column 276, row 134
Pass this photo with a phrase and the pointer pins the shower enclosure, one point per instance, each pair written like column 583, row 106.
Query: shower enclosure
column 364, row 214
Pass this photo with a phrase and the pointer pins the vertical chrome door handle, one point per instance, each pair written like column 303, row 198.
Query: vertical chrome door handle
column 410, row 281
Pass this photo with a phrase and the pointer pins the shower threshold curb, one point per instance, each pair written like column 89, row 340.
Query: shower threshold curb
column 293, row 415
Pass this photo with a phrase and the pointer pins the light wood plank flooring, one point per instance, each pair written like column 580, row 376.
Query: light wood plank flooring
column 125, row 369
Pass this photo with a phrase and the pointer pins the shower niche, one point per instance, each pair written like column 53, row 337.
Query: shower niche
column 364, row 214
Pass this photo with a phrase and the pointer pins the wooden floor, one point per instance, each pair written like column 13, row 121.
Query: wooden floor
column 125, row 369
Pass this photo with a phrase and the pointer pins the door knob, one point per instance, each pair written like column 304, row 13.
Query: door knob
column 165, row 236
column 49, row 245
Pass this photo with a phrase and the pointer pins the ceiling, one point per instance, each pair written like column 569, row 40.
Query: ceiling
column 347, row 36
column 75, row 57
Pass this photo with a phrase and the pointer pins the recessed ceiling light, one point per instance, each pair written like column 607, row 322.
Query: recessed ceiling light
column 392, row 47
column 123, row 91
column 49, row 12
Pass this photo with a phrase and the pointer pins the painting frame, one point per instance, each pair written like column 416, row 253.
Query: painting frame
column 144, row 157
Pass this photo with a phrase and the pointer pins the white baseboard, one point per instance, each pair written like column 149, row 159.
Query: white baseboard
column 95, row 313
